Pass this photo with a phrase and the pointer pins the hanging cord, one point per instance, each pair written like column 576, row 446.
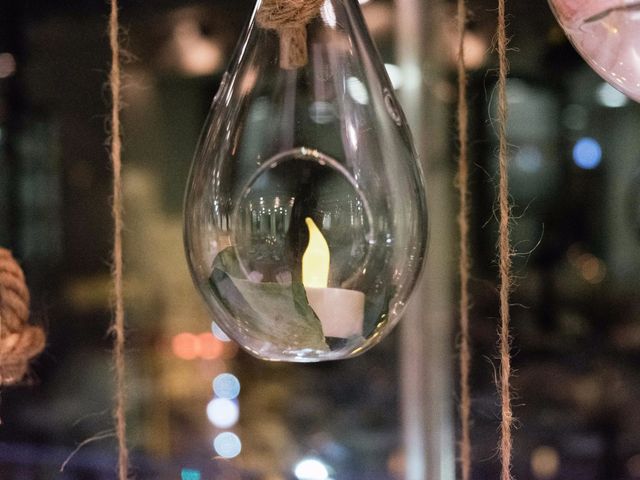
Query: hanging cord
column 19, row 341
column 504, row 251
column 464, row 264
column 117, row 328
column 289, row 18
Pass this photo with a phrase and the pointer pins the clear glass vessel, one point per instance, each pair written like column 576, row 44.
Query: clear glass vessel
column 305, row 213
column 607, row 34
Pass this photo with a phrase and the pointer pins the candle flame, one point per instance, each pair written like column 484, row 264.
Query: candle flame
column 315, row 260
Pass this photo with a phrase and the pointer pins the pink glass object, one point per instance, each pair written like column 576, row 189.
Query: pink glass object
column 607, row 34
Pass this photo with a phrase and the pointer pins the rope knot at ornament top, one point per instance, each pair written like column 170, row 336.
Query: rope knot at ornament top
column 289, row 18
column 19, row 341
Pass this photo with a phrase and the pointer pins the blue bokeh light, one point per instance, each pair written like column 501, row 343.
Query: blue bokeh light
column 227, row 445
column 218, row 333
column 226, row 385
column 190, row 474
column 587, row 153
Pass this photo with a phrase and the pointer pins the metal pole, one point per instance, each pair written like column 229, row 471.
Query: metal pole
column 426, row 358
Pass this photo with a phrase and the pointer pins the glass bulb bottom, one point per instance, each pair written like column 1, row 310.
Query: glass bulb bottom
column 294, row 281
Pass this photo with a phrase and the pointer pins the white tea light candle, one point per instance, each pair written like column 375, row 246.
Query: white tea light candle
column 341, row 311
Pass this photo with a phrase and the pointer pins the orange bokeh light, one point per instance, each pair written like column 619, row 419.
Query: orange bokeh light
column 189, row 346
column 185, row 346
column 210, row 347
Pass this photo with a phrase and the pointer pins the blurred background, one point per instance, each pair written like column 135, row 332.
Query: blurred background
column 200, row 408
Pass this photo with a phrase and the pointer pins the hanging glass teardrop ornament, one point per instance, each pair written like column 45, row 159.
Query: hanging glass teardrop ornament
column 607, row 34
column 305, row 212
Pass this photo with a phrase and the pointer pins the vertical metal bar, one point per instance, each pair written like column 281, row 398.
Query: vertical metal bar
column 426, row 358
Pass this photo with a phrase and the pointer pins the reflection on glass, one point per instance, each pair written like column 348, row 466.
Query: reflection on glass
column 607, row 35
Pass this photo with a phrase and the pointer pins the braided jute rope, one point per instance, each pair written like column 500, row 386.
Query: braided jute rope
column 289, row 18
column 117, row 328
column 19, row 341
column 504, row 251
column 464, row 263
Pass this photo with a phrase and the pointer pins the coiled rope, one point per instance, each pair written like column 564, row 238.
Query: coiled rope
column 19, row 341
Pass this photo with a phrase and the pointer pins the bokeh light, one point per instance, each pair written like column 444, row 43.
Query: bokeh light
column 311, row 469
column 189, row 346
column 7, row 65
column 529, row 159
column 587, row 153
column 190, row 474
column 210, row 347
column 185, row 346
column 226, row 385
column 218, row 333
column 545, row 462
column 222, row 412
column 227, row 445
column 610, row 97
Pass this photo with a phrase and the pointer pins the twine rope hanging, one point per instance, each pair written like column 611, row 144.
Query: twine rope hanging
column 19, row 341
column 117, row 328
column 464, row 263
column 504, row 252
column 289, row 18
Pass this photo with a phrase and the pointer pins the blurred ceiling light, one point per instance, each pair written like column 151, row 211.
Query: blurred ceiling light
column 7, row 65
column 362, row 2
column 192, row 52
column 311, row 469
column 610, row 97
column 475, row 48
column 475, row 51
column 592, row 269
column 545, row 462
column 227, row 445
column 222, row 412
